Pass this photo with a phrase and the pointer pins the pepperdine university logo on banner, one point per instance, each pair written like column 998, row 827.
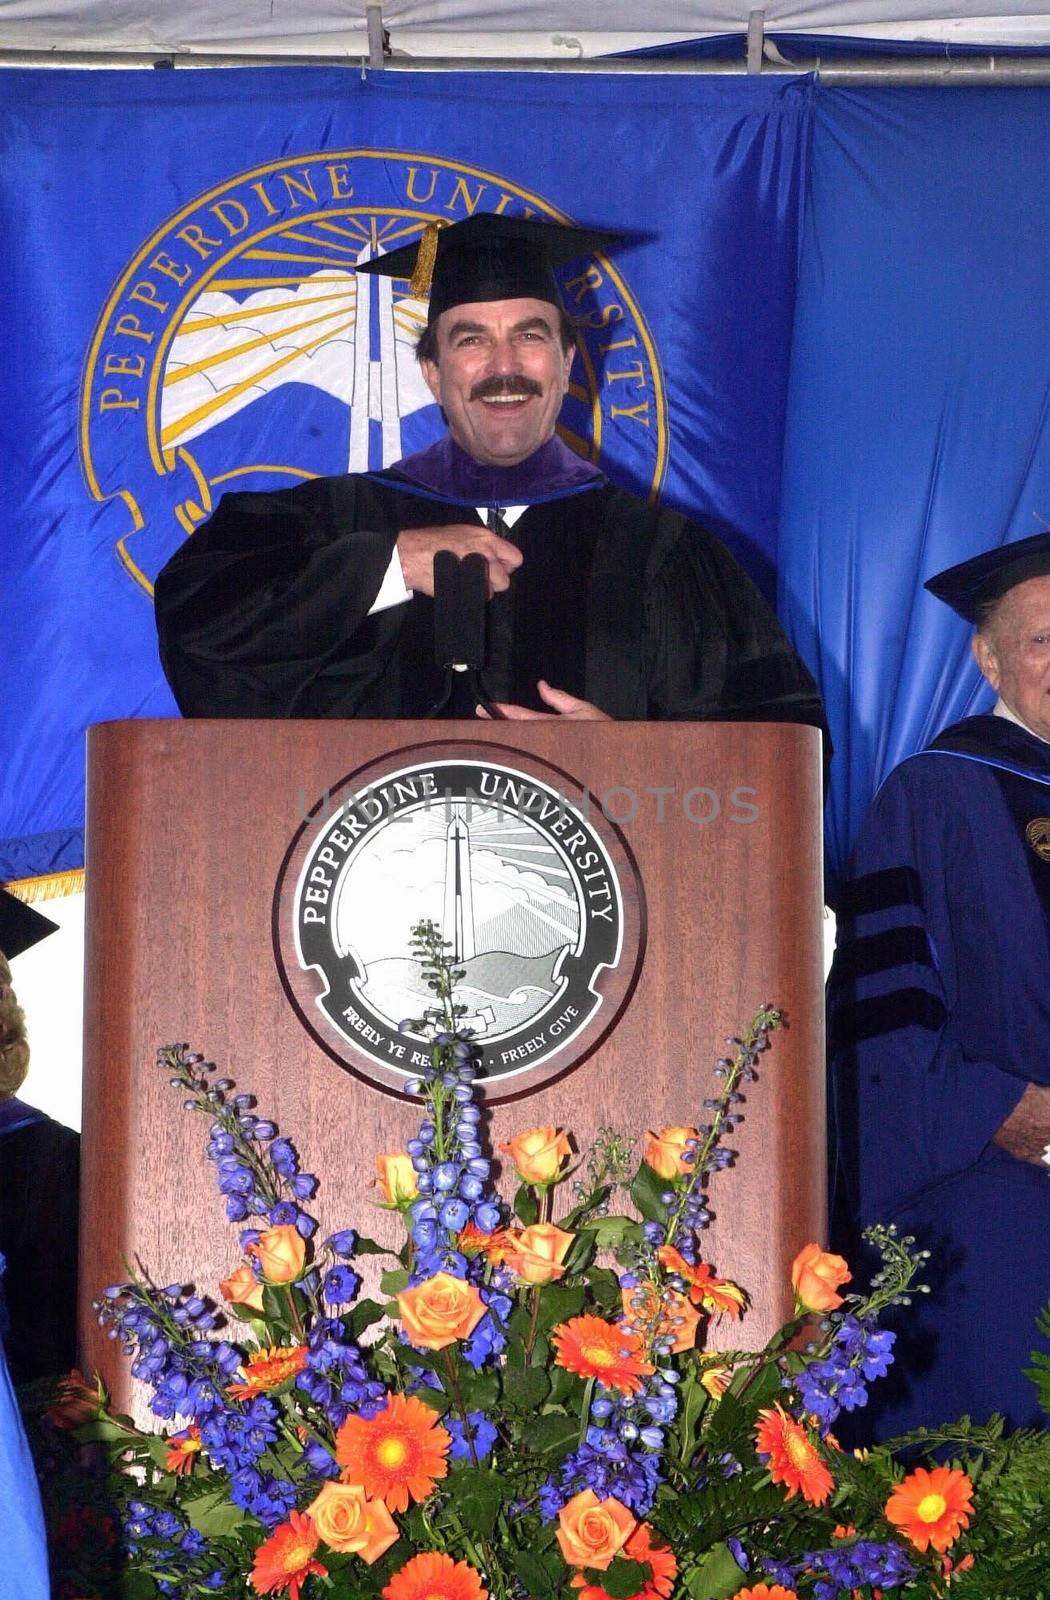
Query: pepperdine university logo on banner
column 533, row 888
column 240, row 350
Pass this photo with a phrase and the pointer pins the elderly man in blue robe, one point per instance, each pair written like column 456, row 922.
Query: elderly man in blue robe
column 940, row 1016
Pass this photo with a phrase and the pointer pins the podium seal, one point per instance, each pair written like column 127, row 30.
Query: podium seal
column 534, row 890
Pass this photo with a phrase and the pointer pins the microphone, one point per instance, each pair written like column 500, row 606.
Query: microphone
column 460, row 595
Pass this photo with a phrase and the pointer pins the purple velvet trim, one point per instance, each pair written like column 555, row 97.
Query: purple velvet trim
column 446, row 470
column 14, row 1114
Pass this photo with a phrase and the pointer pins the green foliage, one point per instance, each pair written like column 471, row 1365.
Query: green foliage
column 716, row 1575
column 622, row 1578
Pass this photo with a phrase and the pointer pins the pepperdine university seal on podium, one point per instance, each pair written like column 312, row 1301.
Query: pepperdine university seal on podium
column 535, row 892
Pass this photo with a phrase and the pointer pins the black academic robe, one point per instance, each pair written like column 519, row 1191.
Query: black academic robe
column 39, row 1208
column 939, row 1002
column 264, row 611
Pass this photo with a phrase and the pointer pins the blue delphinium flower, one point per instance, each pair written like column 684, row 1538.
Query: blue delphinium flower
column 477, row 1431
column 859, row 1350
column 340, row 1286
column 608, row 1465
column 171, row 1544
column 847, row 1567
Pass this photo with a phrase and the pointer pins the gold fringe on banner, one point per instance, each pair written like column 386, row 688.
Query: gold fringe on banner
column 49, row 886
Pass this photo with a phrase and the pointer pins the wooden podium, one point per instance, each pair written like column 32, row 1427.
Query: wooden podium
column 198, row 841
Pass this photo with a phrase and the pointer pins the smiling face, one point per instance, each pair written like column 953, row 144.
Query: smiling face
column 500, row 377
column 1013, row 651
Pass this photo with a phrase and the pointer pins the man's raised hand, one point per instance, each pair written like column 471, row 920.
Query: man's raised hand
column 417, row 547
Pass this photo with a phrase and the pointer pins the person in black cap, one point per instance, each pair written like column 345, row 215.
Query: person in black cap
column 939, row 1009
column 39, row 1188
column 317, row 601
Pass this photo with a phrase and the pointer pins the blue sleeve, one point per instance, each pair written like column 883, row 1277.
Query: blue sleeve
column 912, row 1102
column 23, row 1571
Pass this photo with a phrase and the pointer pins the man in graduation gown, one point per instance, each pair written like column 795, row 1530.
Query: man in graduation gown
column 940, row 1017
column 318, row 601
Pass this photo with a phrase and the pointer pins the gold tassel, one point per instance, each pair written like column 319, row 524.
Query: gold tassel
column 49, row 886
column 426, row 255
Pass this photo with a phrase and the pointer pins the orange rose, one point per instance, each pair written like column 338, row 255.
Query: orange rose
column 280, row 1252
column 538, row 1154
column 75, row 1401
column 678, row 1320
column 243, row 1289
column 591, row 1532
column 815, row 1276
column 351, row 1523
column 665, row 1149
column 537, row 1254
column 438, row 1312
column 396, row 1177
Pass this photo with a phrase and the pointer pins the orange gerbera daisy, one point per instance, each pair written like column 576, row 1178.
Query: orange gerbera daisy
column 931, row 1507
column 473, row 1242
column 597, row 1349
column 183, row 1450
column 285, row 1559
column 663, row 1569
column 765, row 1591
column 793, row 1457
column 267, row 1369
column 714, row 1294
column 716, row 1378
column 433, row 1576
column 398, row 1453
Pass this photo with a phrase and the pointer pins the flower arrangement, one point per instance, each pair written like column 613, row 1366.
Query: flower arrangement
column 546, row 1404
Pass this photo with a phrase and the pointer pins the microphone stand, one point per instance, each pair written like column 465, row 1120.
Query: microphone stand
column 459, row 635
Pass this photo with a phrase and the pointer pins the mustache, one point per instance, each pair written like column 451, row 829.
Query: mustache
column 488, row 388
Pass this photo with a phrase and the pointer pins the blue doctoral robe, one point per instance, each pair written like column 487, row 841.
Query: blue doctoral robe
column 939, row 1016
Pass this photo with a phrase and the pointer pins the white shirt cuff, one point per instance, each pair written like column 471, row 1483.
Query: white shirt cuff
column 392, row 590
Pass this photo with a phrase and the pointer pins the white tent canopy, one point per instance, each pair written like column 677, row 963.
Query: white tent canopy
column 489, row 29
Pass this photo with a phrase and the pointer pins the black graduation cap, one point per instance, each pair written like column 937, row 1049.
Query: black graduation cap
column 972, row 586
column 20, row 926
column 488, row 257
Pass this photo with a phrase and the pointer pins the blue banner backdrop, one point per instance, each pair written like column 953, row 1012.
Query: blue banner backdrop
column 919, row 411
column 180, row 314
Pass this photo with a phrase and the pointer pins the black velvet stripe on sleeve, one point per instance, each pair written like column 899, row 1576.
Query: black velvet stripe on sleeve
column 885, row 1013
column 880, row 891
column 879, row 952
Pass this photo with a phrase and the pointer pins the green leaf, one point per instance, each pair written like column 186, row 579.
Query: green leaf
column 565, row 1386
column 540, row 1574
column 553, row 1433
column 581, row 1253
column 605, row 1288
column 368, row 1247
column 525, row 1388
column 559, row 1302
column 406, row 1355
column 213, row 1514
column 478, row 1495
column 611, row 1231
column 158, row 1449
column 646, row 1190
column 394, row 1279
column 436, row 1399
column 526, row 1205
column 137, row 1586
column 717, row 1575
column 276, row 1307
column 480, row 1390
column 104, row 1430
column 363, row 1315
column 622, row 1578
